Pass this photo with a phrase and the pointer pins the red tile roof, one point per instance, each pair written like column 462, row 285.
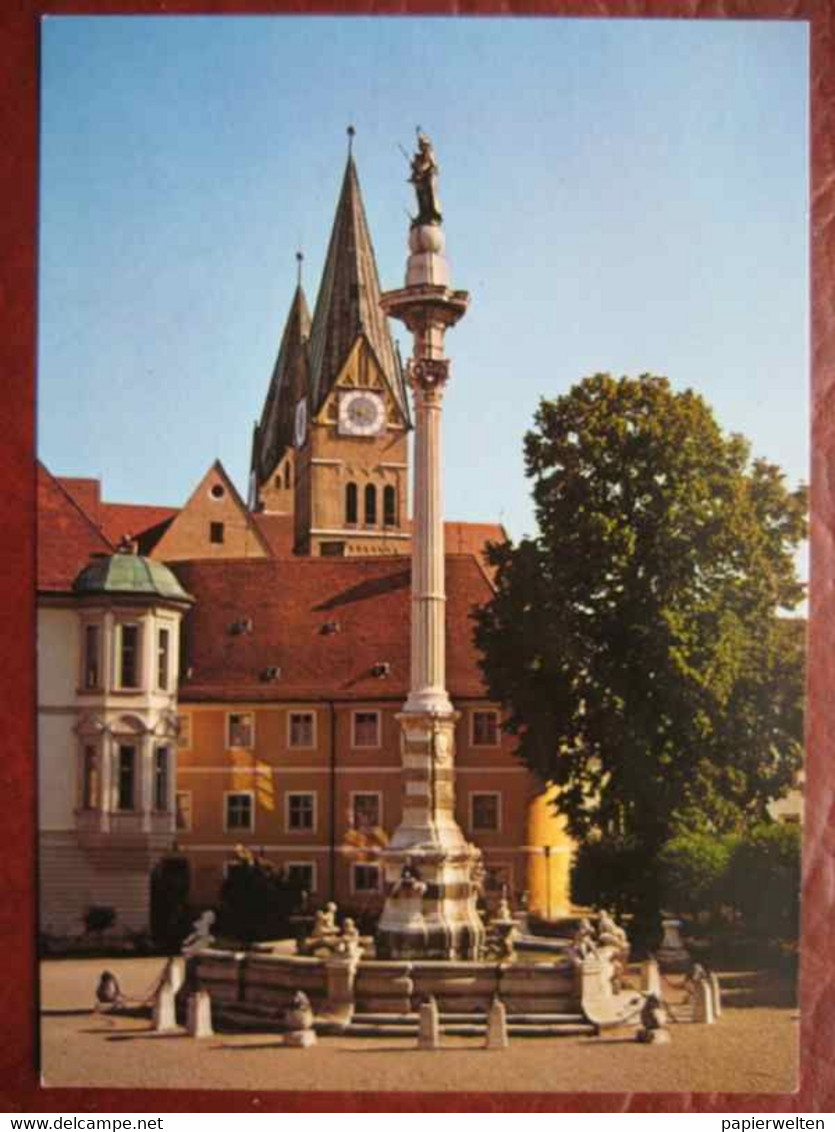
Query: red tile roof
column 291, row 604
column 278, row 531
column 134, row 519
column 67, row 535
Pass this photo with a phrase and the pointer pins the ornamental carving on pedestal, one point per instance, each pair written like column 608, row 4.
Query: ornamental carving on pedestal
column 428, row 375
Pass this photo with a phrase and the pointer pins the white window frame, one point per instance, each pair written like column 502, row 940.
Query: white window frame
column 497, row 794
column 166, row 808
column 301, row 746
column 168, row 629
column 99, row 627
column 251, row 745
column 135, row 747
column 227, row 794
column 365, row 891
column 314, row 887
column 301, row 794
column 486, row 746
column 181, row 715
column 190, row 813
column 355, row 746
column 378, row 794
column 118, row 682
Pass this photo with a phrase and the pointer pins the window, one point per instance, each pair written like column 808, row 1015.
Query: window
column 351, row 507
column 184, row 731
column 240, row 729
column 302, row 875
column 485, row 729
column 161, row 778
column 216, row 534
column 301, row 812
column 92, row 656
column 89, row 779
column 288, row 476
column 301, row 729
column 128, row 654
column 484, row 812
column 239, row 811
column 183, row 804
column 163, row 656
column 217, row 491
column 389, row 506
column 126, row 777
column 366, row 729
column 370, row 505
column 366, row 878
column 366, row 811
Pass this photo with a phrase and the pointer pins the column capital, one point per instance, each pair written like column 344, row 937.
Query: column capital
column 428, row 376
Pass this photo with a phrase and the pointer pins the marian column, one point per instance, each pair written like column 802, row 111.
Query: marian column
column 431, row 871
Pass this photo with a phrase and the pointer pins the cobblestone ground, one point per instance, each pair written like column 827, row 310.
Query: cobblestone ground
column 751, row 1049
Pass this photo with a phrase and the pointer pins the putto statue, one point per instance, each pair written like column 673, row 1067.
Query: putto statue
column 425, row 179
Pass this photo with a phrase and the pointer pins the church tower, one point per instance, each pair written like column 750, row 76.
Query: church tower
column 272, row 470
column 350, row 428
column 331, row 446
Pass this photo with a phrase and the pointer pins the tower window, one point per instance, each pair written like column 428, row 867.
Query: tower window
column 128, row 656
column 216, row 532
column 92, row 655
column 389, row 506
column 351, row 507
column 370, row 505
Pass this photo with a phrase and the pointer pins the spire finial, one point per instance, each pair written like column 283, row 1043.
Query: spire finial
column 299, row 262
column 350, row 131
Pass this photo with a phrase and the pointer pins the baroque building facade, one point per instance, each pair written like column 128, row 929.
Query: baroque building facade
column 287, row 661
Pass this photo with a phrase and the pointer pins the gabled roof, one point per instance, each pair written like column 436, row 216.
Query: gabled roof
column 274, row 431
column 279, row 532
column 348, row 303
column 140, row 521
column 215, row 500
column 324, row 623
column 67, row 535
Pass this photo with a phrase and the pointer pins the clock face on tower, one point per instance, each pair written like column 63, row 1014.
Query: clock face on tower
column 300, row 430
column 361, row 413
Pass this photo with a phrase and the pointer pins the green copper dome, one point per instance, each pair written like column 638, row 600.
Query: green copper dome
column 129, row 574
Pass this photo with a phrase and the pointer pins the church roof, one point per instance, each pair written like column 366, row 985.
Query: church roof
column 67, row 535
column 348, row 303
column 274, row 431
column 323, row 623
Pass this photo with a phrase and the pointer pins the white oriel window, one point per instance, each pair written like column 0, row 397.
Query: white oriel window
column 366, row 878
column 89, row 778
column 485, row 728
column 485, row 812
column 162, row 777
column 184, row 810
column 240, row 729
column 301, row 729
column 366, row 729
column 239, row 811
column 365, row 811
column 126, row 777
column 301, row 811
column 163, row 658
column 128, row 639
column 92, row 657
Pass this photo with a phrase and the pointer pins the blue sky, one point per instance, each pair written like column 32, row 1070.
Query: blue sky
column 623, row 196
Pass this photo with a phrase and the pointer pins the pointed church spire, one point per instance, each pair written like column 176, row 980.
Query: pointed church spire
column 348, row 303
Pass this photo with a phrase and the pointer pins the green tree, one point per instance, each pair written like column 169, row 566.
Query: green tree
column 636, row 641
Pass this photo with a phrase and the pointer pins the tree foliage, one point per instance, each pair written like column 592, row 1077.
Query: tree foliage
column 635, row 640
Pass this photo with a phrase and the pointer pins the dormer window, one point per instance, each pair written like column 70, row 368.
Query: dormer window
column 128, row 638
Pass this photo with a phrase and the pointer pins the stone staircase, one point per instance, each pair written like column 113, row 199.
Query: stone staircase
column 470, row 1025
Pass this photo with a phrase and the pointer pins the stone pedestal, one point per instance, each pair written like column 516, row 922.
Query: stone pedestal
column 429, row 1026
column 703, row 1003
column 165, row 1017
column 716, row 993
column 497, row 1026
column 651, row 977
column 672, row 955
column 199, row 1015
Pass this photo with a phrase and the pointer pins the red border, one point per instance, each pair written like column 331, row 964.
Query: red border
column 19, row 1089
